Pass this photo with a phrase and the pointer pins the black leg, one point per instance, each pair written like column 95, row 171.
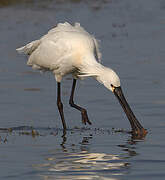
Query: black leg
column 72, row 104
column 60, row 105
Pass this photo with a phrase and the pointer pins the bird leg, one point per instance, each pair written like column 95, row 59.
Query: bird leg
column 72, row 104
column 60, row 105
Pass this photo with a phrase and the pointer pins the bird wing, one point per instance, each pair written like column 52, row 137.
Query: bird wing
column 66, row 27
column 61, row 27
column 54, row 47
column 96, row 42
column 96, row 50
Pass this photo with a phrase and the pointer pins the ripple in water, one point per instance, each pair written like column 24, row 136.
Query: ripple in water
column 83, row 165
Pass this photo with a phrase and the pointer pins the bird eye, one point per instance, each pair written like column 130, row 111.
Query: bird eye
column 113, row 87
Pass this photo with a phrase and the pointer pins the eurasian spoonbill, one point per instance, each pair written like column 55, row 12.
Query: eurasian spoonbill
column 68, row 49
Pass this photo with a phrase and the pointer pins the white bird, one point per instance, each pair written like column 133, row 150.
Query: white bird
column 68, row 49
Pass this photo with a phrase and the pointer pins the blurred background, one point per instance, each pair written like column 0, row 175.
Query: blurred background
column 132, row 39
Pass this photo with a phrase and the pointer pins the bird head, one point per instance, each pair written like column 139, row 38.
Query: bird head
column 111, row 81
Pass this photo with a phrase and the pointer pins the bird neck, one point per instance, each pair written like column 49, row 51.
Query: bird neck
column 102, row 74
column 92, row 68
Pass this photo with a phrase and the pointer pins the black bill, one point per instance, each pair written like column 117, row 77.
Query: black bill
column 136, row 126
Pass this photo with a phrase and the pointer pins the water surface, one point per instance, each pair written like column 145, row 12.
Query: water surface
column 131, row 35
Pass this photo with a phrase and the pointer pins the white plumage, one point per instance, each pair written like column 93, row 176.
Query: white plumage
column 68, row 49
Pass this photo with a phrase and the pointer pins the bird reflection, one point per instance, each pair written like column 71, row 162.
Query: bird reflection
column 84, row 143
column 130, row 147
column 64, row 141
column 79, row 160
column 76, row 161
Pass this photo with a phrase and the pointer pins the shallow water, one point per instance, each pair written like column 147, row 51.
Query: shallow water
column 132, row 43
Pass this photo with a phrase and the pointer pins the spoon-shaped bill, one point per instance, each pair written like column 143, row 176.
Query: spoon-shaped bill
column 137, row 128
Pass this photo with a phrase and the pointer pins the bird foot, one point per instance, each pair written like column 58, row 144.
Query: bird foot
column 85, row 118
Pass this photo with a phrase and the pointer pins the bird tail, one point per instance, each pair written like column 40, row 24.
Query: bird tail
column 29, row 48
